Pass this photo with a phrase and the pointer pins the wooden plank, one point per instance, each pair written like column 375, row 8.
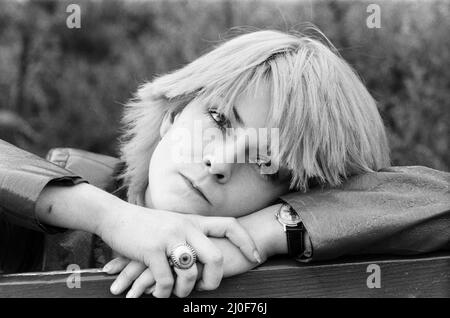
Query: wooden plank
column 400, row 277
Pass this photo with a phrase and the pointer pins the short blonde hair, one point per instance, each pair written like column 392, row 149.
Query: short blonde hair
column 328, row 122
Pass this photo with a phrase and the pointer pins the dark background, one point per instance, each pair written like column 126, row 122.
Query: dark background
column 66, row 87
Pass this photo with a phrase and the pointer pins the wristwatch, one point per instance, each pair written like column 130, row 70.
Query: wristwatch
column 293, row 227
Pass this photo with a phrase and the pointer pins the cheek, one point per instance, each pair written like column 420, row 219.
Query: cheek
column 259, row 184
column 157, row 160
column 266, row 192
column 252, row 193
column 189, row 139
column 161, row 169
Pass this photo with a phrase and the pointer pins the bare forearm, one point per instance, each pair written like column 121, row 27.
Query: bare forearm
column 79, row 207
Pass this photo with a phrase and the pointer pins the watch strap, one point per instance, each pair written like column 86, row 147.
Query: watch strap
column 295, row 241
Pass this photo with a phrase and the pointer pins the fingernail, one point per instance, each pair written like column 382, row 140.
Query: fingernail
column 107, row 268
column 199, row 285
column 130, row 294
column 114, row 288
column 257, row 256
column 198, row 288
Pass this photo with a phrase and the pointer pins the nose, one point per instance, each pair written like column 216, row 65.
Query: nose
column 221, row 171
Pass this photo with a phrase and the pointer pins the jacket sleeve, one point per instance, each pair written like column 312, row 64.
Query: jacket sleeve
column 397, row 210
column 23, row 176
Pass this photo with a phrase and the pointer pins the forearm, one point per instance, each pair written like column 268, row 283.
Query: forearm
column 397, row 210
column 80, row 207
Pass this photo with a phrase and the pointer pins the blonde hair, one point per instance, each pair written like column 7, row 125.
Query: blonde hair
column 329, row 124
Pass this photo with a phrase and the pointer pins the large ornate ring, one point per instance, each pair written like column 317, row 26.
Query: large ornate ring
column 182, row 256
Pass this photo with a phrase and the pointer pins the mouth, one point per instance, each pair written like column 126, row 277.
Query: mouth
column 195, row 188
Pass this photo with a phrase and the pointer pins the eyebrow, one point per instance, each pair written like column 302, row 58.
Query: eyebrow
column 238, row 118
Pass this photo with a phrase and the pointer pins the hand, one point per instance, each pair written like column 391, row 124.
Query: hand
column 265, row 230
column 141, row 234
column 142, row 280
column 148, row 236
column 132, row 273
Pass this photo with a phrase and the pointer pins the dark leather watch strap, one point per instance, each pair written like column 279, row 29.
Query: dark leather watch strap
column 295, row 240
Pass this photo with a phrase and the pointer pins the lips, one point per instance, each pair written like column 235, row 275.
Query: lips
column 195, row 188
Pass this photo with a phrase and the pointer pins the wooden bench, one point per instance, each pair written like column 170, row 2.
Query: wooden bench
column 425, row 276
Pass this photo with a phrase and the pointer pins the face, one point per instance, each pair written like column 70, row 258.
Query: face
column 213, row 181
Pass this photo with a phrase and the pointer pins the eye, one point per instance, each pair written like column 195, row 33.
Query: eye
column 266, row 162
column 220, row 119
column 263, row 162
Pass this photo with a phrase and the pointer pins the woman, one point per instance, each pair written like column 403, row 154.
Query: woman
column 327, row 129
column 313, row 148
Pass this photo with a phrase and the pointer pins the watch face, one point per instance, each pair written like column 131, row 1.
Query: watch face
column 288, row 216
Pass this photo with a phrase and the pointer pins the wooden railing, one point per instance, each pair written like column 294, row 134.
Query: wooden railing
column 426, row 276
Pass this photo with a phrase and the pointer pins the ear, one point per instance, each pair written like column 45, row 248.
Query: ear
column 167, row 122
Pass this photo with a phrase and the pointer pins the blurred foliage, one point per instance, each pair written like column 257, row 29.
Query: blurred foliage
column 66, row 87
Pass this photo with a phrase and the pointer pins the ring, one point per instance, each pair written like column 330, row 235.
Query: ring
column 182, row 256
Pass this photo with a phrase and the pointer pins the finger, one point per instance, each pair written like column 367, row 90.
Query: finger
column 116, row 265
column 162, row 273
column 150, row 290
column 185, row 281
column 235, row 232
column 211, row 257
column 127, row 277
column 141, row 284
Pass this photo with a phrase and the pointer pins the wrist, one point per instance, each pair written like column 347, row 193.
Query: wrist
column 276, row 237
column 266, row 231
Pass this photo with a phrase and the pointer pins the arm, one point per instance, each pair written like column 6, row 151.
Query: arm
column 23, row 176
column 143, row 235
column 28, row 194
column 398, row 210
